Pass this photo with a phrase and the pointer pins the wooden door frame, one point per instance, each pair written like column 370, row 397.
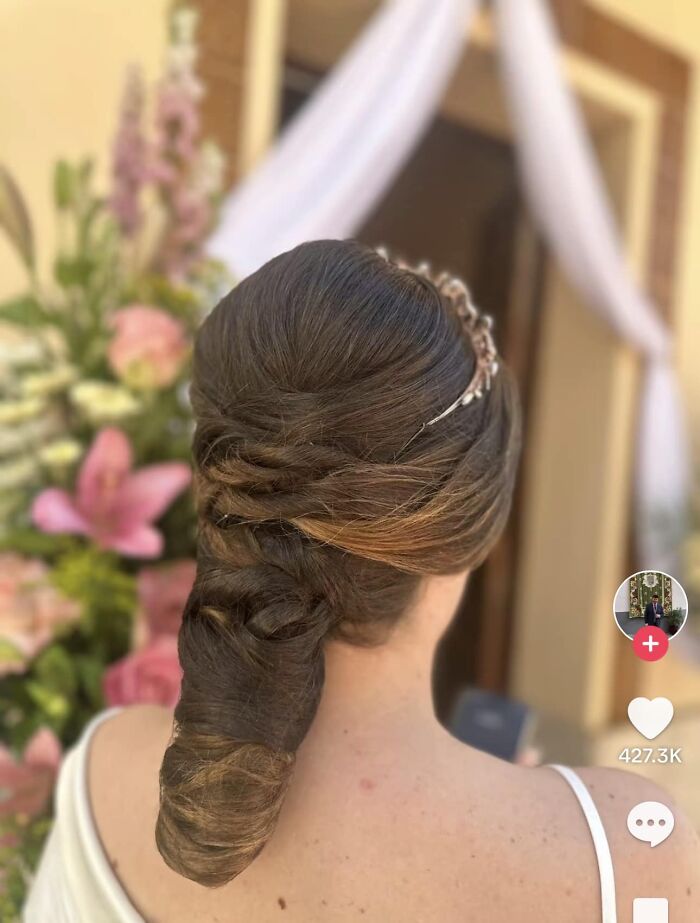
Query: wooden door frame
column 667, row 74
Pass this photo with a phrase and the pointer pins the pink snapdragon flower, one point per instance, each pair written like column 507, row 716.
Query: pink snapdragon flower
column 31, row 609
column 186, row 175
column 26, row 783
column 130, row 158
column 173, row 164
column 113, row 505
column 151, row 674
column 177, row 130
column 148, row 348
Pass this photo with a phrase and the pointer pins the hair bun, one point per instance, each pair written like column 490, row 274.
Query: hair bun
column 320, row 510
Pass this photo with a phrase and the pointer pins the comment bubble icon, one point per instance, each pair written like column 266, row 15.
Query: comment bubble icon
column 651, row 822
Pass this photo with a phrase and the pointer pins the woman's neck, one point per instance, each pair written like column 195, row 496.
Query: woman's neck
column 390, row 686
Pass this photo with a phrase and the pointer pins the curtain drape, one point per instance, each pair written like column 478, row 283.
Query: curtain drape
column 340, row 153
column 568, row 200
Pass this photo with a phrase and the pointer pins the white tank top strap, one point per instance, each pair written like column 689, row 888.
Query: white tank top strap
column 600, row 842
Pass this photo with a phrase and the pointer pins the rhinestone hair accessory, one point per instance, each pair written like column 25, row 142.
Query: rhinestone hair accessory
column 476, row 327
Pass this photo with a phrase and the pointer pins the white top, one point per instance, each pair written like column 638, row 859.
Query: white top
column 75, row 882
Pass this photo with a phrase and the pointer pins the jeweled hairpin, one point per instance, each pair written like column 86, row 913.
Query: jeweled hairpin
column 477, row 329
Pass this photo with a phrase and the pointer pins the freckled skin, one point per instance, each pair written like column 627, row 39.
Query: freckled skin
column 449, row 834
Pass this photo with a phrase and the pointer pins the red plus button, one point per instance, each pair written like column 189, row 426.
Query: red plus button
column 650, row 643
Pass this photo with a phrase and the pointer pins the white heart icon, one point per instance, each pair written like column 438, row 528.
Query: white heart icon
column 650, row 716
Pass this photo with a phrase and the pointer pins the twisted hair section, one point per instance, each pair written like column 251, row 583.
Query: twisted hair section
column 318, row 517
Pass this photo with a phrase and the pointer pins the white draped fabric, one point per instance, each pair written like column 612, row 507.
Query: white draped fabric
column 561, row 176
column 340, row 153
column 568, row 201
column 663, row 473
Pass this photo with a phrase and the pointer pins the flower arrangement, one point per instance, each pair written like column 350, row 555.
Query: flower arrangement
column 96, row 518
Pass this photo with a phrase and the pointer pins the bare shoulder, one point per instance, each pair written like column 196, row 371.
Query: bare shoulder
column 131, row 728
column 547, row 822
column 122, row 776
column 129, row 747
column 672, row 868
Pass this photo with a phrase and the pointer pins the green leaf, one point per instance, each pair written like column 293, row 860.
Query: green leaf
column 14, row 218
column 9, row 653
column 35, row 544
column 76, row 271
column 55, row 706
column 56, row 671
column 19, row 859
column 24, row 310
column 107, row 595
column 87, row 221
column 179, row 300
column 91, row 671
column 85, row 169
column 64, row 184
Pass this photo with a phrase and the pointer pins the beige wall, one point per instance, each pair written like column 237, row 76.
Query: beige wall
column 62, row 66
column 61, row 72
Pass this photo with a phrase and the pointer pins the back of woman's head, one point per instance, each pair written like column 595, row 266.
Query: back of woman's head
column 321, row 506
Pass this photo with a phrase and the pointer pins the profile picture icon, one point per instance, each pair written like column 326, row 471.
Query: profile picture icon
column 650, row 598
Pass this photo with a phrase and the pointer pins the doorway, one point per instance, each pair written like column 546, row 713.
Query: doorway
column 457, row 204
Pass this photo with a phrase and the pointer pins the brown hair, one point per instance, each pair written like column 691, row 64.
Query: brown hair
column 318, row 516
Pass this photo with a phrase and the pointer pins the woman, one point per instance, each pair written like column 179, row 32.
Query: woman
column 355, row 452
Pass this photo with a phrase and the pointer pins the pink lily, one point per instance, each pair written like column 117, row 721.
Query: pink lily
column 114, row 505
column 26, row 782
